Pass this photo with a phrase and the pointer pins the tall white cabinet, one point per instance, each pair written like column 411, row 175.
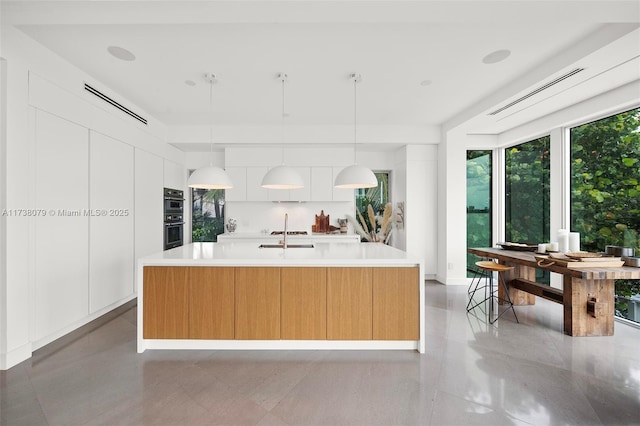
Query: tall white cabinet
column 61, row 238
column 111, row 220
column 148, row 207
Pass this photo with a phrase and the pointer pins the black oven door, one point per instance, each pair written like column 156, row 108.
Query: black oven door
column 173, row 235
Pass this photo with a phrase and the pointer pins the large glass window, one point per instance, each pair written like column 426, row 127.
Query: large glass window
column 527, row 191
column 479, row 172
column 207, row 214
column 605, row 193
column 527, row 195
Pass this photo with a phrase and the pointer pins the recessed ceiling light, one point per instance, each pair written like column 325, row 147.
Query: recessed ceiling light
column 426, row 82
column 121, row 53
column 190, row 82
column 497, row 56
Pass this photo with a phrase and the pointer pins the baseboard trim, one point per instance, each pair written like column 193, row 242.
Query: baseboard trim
column 15, row 356
column 49, row 345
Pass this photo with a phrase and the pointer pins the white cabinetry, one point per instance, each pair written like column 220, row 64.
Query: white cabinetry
column 341, row 194
column 111, row 235
column 61, row 263
column 175, row 175
column 238, row 176
column 148, row 209
column 321, row 184
column 255, row 192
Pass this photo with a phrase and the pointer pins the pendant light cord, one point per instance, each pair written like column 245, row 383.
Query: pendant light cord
column 282, row 122
column 355, row 117
column 211, row 123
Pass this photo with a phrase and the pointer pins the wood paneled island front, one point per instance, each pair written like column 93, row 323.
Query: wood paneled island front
column 236, row 295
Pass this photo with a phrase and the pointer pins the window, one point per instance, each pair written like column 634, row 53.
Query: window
column 479, row 224
column 207, row 214
column 377, row 197
column 527, row 191
column 527, row 194
column 605, row 193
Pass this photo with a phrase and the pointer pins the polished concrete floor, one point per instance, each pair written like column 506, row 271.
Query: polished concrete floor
column 472, row 373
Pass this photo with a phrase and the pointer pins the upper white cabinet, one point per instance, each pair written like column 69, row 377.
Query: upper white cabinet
column 255, row 192
column 111, row 222
column 238, row 176
column 341, row 194
column 175, row 175
column 61, row 260
column 321, row 183
column 318, row 185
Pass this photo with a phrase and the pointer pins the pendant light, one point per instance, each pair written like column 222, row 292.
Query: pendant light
column 355, row 176
column 282, row 177
column 210, row 177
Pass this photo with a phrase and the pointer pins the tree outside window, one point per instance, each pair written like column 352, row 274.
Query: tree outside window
column 605, row 193
column 207, row 214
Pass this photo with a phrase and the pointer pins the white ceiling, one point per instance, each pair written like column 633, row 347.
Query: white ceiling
column 395, row 45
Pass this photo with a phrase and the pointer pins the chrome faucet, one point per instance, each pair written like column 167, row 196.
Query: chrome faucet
column 284, row 237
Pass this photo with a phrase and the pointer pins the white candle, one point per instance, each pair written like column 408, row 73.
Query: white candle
column 563, row 240
column 552, row 246
column 542, row 248
column 574, row 242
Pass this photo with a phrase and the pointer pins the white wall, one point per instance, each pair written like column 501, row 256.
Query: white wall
column 45, row 279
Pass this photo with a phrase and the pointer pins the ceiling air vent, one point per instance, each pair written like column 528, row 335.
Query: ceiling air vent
column 538, row 90
column 114, row 103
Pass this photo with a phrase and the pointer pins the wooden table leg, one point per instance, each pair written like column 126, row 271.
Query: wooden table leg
column 518, row 297
column 577, row 294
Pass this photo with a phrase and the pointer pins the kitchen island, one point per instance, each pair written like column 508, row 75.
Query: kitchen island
column 235, row 295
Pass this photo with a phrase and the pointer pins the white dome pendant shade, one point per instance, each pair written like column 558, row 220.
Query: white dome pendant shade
column 355, row 176
column 210, row 177
column 282, row 177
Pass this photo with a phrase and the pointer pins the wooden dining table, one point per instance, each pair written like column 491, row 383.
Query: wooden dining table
column 587, row 294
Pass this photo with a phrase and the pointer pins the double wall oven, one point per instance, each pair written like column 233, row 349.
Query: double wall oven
column 173, row 218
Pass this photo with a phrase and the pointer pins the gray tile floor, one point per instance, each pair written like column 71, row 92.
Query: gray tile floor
column 472, row 373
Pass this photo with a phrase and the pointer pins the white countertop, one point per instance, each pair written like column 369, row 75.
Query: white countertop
column 238, row 253
column 260, row 235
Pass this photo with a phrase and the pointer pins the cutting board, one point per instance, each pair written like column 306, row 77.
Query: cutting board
column 592, row 262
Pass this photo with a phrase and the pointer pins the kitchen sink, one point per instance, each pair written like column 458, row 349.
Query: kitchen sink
column 288, row 246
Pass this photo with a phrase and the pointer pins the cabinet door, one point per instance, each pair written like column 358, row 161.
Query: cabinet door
column 396, row 304
column 257, row 306
column 255, row 192
column 61, row 240
column 238, row 176
column 111, row 256
column 304, row 303
column 341, row 194
column 349, row 304
column 165, row 302
column 211, row 299
column 321, row 184
column 302, row 194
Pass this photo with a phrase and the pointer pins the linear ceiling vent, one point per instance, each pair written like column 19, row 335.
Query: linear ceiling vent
column 538, row 90
column 114, row 103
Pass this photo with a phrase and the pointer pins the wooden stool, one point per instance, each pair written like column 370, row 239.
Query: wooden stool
column 486, row 270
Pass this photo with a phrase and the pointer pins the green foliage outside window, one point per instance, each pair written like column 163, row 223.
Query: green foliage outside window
column 605, row 189
column 527, row 191
column 377, row 197
column 207, row 220
column 479, row 170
